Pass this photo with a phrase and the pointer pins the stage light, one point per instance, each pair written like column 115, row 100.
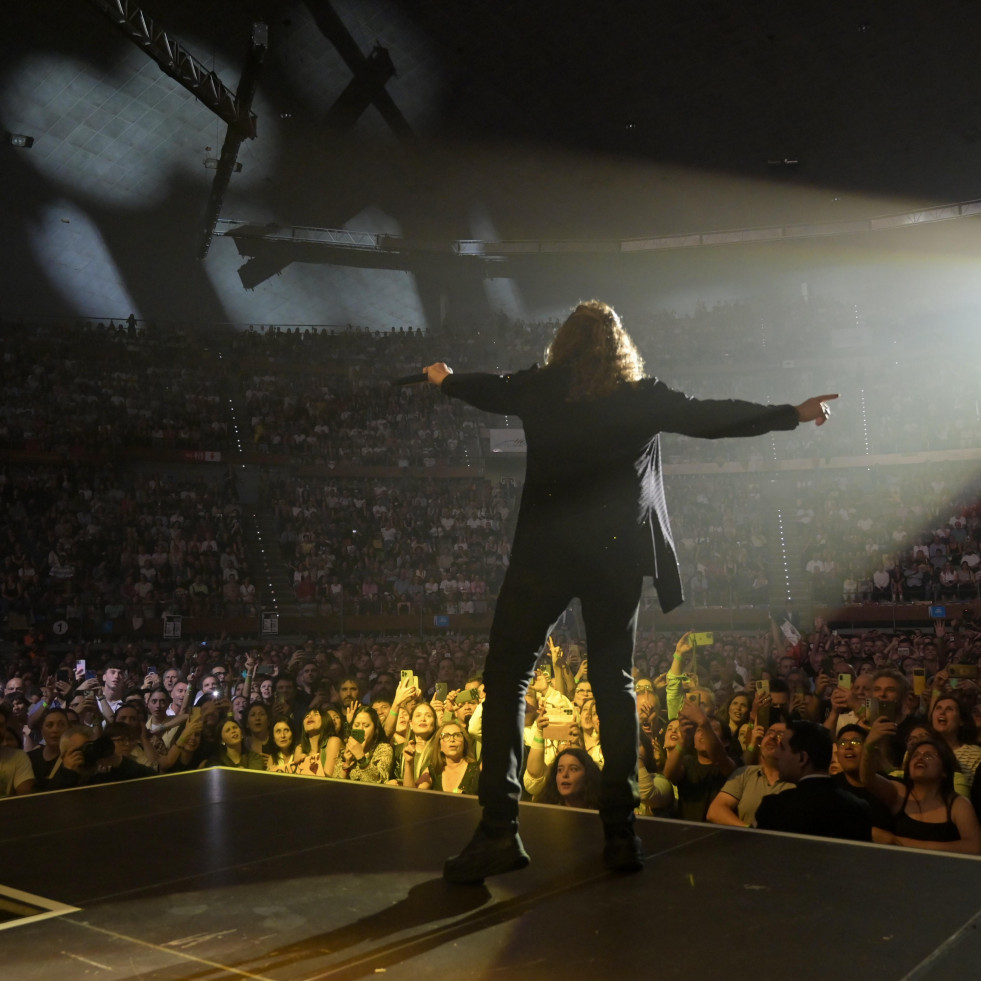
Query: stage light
column 19, row 139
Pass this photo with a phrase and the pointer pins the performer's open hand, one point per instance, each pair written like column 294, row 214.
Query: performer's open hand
column 815, row 409
column 435, row 373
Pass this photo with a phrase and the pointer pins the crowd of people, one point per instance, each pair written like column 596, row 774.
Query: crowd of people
column 901, row 534
column 83, row 389
column 871, row 736
column 393, row 546
column 104, row 546
column 879, row 729
column 321, row 395
column 97, row 547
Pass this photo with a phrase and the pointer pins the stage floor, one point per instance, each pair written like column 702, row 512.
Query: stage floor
column 230, row 874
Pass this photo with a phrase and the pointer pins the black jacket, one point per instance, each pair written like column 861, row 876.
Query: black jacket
column 817, row 806
column 593, row 470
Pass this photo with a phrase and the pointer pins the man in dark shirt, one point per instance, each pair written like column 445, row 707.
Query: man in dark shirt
column 817, row 805
column 699, row 765
column 848, row 752
column 109, row 766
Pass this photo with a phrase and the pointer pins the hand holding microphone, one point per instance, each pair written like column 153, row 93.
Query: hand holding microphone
column 434, row 374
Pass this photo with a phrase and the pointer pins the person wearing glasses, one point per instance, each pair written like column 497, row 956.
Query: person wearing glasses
column 453, row 768
column 741, row 795
column 583, row 692
column 927, row 812
column 845, row 771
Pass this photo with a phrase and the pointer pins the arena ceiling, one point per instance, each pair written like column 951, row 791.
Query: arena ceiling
column 422, row 132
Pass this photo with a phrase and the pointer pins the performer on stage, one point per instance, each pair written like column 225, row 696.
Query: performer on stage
column 592, row 523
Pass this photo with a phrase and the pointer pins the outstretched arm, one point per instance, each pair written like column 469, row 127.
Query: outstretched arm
column 499, row 394
column 676, row 412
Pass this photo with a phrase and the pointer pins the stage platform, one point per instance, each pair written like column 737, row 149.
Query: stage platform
column 229, row 874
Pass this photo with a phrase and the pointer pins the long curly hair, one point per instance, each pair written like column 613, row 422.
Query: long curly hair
column 599, row 352
column 550, row 792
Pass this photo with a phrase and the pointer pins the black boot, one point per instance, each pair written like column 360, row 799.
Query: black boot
column 494, row 848
column 622, row 849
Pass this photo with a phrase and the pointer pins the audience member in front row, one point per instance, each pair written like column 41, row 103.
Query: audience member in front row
column 655, row 790
column 197, row 741
column 367, row 755
column 411, row 759
column 16, row 772
column 573, row 780
column 186, row 753
column 961, row 734
column 927, row 811
column 817, row 805
column 542, row 752
column 453, row 767
column 90, row 758
column 283, row 746
column 319, row 746
column 848, row 755
column 736, row 803
column 699, row 765
column 233, row 751
column 43, row 758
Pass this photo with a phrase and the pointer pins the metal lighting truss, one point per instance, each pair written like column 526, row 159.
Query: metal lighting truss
column 177, row 62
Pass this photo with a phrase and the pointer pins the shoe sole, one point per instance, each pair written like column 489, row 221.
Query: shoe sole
column 457, row 879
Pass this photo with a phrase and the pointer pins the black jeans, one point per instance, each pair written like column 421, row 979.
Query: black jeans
column 536, row 590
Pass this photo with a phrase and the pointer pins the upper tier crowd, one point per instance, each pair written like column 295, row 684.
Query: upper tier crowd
column 322, row 395
column 86, row 545
column 871, row 736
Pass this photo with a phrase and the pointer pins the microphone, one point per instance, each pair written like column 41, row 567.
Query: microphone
column 414, row 379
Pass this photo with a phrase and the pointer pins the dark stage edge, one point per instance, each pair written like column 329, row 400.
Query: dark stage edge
column 231, row 874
